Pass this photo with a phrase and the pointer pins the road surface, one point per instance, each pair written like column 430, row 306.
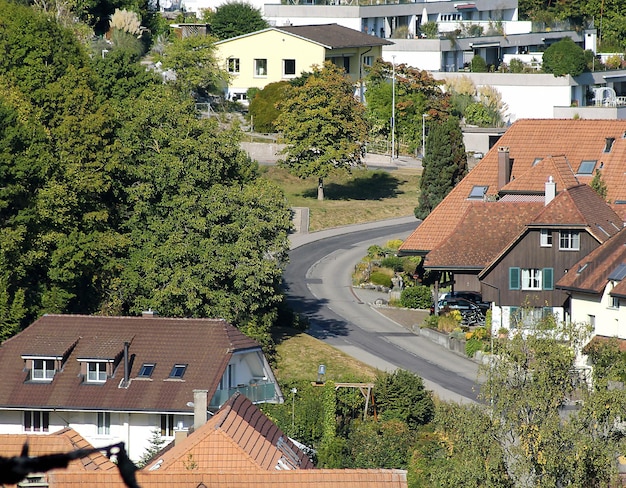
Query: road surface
column 318, row 285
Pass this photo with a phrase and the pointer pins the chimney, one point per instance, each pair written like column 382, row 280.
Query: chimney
column 126, row 364
column 200, row 405
column 550, row 190
column 504, row 166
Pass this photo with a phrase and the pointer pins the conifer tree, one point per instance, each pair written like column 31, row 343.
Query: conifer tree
column 445, row 164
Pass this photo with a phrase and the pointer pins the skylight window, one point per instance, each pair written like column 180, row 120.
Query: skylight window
column 178, row 371
column 478, row 192
column 586, row 167
column 146, row 370
column 619, row 273
column 537, row 160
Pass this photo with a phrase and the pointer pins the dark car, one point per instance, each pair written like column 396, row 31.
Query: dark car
column 471, row 313
column 472, row 296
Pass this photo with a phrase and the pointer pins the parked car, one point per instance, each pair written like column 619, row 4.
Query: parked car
column 472, row 296
column 470, row 312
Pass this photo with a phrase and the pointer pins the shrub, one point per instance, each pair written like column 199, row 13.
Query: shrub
column 394, row 244
column 432, row 322
column 392, row 262
column 375, row 251
column 380, row 278
column 472, row 346
column 516, row 65
column 478, row 65
column 416, row 297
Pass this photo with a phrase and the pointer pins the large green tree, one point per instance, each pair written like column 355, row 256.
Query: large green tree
column 444, row 164
column 264, row 106
column 416, row 92
column 235, row 18
column 209, row 239
column 564, row 57
column 323, row 125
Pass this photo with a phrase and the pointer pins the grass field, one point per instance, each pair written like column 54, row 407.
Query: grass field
column 299, row 356
column 363, row 196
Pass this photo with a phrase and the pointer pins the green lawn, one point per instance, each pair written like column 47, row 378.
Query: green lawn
column 363, row 196
column 299, row 356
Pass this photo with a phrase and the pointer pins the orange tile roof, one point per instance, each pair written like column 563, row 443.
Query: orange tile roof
column 62, row 441
column 570, row 141
column 485, row 228
column 313, row 478
column 238, row 437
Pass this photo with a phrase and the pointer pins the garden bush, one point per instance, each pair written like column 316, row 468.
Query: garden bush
column 416, row 297
column 392, row 262
column 380, row 278
column 472, row 346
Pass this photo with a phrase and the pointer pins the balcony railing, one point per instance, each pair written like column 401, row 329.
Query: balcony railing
column 257, row 393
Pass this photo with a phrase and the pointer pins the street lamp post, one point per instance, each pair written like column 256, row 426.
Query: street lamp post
column 393, row 107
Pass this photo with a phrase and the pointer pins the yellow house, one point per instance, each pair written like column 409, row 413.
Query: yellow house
column 281, row 53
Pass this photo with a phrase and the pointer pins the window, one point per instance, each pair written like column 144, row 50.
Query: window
column 36, row 421
column 96, row 372
column 531, row 279
column 43, row 370
column 368, row 60
column 289, row 67
column 146, row 370
column 586, row 167
column 167, row 425
column 478, row 192
column 569, row 240
column 233, row 65
column 104, row 423
column 592, row 322
column 228, row 379
column 260, row 67
column 545, row 239
column 613, row 302
column 178, row 371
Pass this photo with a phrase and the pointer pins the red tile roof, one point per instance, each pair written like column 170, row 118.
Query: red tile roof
column 570, row 141
column 239, row 437
column 205, row 345
column 485, row 228
column 590, row 274
column 313, row 478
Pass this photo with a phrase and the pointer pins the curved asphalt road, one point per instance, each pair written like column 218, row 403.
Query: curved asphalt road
column 318, row 284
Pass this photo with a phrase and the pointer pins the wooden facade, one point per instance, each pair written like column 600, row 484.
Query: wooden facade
column 528, row 253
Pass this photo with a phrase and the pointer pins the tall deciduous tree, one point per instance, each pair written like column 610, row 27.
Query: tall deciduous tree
column 195, row 64
column 323, row 125
column 445, row 164
column 416, row 92
column 209, row 239
column 235, row 18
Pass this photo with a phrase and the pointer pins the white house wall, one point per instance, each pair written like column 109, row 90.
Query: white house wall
column 609, row 322
column 528, row 96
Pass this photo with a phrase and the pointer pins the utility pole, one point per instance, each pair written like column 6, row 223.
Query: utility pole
column 393, row 108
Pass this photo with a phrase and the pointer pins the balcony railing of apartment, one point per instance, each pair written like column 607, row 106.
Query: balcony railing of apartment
column 256, row 393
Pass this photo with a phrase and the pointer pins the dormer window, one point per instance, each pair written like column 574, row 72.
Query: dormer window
column 608, row 144
column 146, row 370
column 43, row 370
column 178, row 371
column 96, row 372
